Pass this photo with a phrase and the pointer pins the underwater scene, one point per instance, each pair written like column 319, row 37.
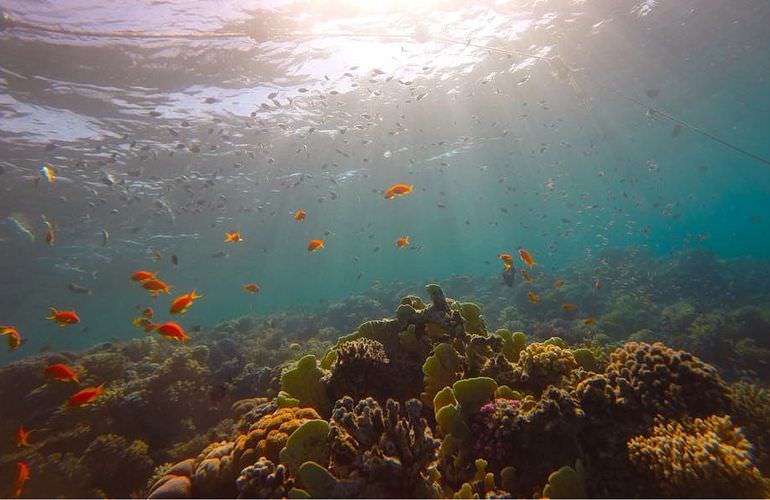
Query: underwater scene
column 385, row 249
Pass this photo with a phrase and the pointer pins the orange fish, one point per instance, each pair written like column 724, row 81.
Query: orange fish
column 299, row 215
column 402, row 242
column 182, row 303
column 61, row 372
column 63, row 318
column 251, row 288
column 156, row 286
column 14, row 337
column 533, row 297
column 234, row 237
column 85, row 396
column 507, row 260
column 171, row 330
column 526, row 257
column 50, row 237
column 397, row 190
column 22, row 476
column 568, row 307
column 315, row 245
column 526, row 276
column 559, row 283
column 141, row 276
column 589, row 321
column 148, row 313
column 143, row 323
column 22, row 436
column 597, row 284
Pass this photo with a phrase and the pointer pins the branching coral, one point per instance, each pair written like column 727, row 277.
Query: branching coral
column 389, row 451
column 750, row 408
column 698, row 458
column 264, row 480
column 360, row 370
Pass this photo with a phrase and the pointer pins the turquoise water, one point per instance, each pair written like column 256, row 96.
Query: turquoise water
column 503, row 151
column 623, row 144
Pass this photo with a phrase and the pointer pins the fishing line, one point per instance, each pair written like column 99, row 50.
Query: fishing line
column 699, row 130
column 557, row 64
column 657, row 112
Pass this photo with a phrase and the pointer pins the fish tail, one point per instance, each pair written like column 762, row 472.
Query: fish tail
column 151, row 327
column 54, row 312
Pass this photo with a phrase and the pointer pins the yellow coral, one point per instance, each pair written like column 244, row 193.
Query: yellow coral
column 701, row 457
column 542, row 364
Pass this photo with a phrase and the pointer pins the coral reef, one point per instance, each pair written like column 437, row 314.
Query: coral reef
column 384, row 452
column 706, row 457
column 652, row 379
column 750, row 408
column 541, row 365
column 264, row 480
column 360, row 369
column 430, row 402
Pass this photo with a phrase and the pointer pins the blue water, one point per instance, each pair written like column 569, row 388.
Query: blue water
column 502, row 151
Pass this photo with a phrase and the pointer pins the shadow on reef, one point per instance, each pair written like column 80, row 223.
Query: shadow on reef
column 430, row 402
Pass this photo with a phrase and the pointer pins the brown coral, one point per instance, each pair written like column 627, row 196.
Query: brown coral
column 750, row 408
column 264, row 480
column 533, row 436
column 360, row 370
column 386, row 452
column 541, row 365
column 697, row 458
column 656, row 379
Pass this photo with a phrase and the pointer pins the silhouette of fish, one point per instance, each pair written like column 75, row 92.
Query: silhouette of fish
column 509, row 276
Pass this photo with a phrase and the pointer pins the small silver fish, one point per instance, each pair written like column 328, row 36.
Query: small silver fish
column 75, row 288
column 105, row 237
